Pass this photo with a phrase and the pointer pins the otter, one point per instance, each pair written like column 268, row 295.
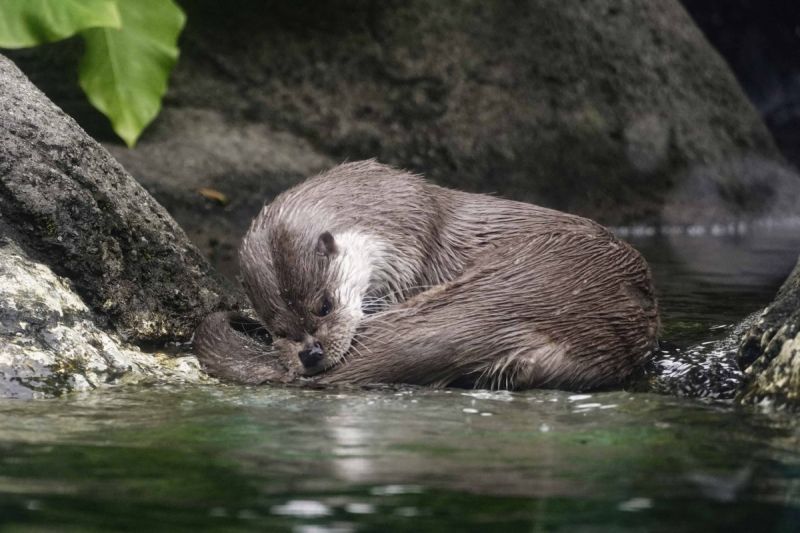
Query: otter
column 366, row 274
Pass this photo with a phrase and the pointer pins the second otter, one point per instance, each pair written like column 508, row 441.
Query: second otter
column 374, row 275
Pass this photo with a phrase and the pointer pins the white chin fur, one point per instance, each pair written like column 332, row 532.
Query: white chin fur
column 367, row 264
column 354, row 266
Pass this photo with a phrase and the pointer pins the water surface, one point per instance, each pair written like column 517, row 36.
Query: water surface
column 287, row 459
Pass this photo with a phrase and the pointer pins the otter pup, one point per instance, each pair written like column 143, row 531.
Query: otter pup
column 371, row 274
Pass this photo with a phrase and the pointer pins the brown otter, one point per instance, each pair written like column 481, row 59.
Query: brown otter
column 371, row 274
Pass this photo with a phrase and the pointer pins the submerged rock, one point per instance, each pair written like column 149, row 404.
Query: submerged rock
column 71, row 206
column 50, row 342
column 770, row 350
column 704, row 370
column 601, row 108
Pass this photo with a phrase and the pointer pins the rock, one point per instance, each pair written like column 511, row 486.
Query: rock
column 601, row 108
column 770, row 350
column 747, row 189
column 704, row 370
column 51, row 342
column 69, row 205
column 191, row 149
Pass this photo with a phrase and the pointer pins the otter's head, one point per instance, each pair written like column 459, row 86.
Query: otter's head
column 308, row 290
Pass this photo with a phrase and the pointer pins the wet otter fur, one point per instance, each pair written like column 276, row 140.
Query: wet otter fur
column 368, row 274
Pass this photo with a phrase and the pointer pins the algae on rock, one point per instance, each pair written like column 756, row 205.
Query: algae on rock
column 770, row 350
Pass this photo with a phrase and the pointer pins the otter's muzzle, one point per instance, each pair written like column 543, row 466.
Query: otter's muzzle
column 311, row 354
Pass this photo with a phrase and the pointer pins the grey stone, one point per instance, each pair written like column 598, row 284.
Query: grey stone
column 71, row 206
column 191, row 149
column 50, row 342
column 770, row 350
column 602, row 108
column 703, row 370
column 749, row 189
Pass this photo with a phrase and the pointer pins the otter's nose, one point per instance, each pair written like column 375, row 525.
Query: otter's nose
column 311, row 354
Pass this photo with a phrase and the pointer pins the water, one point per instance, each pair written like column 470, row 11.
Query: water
column 708, row 282
column 287, row 459
column 707, row 285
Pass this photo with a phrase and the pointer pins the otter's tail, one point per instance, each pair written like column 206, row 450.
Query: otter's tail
column 234, row 347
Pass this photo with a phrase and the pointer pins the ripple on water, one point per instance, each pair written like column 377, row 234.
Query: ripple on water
column 272, row 458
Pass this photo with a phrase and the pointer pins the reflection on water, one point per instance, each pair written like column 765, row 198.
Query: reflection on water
column 706, row 281
column 235, row 458
column 238, row 458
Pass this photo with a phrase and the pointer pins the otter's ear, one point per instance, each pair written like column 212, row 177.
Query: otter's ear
column 326, row 245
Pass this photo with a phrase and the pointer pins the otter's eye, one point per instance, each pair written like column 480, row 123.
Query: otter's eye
column 325, row 307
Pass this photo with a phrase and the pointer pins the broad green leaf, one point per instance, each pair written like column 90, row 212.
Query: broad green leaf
column 124, row 72
column 31, row 22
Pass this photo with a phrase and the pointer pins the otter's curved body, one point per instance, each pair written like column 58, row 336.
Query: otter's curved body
column 369, row 274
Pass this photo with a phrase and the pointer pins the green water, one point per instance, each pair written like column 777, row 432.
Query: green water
column 286, row 459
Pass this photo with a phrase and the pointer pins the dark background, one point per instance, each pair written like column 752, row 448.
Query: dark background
column 760, row 40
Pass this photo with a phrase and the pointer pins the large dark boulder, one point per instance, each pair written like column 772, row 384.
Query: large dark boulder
column 70, row 206
column 770, row 349
column 603, row 108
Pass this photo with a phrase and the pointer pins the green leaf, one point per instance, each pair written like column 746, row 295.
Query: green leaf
column 31, row 22
column 124, row 72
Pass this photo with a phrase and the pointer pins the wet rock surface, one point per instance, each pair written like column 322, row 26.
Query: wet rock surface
column 704, row 370
column 71, row 206
column 50, row 342
column 600, row 108
column 770, row 350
